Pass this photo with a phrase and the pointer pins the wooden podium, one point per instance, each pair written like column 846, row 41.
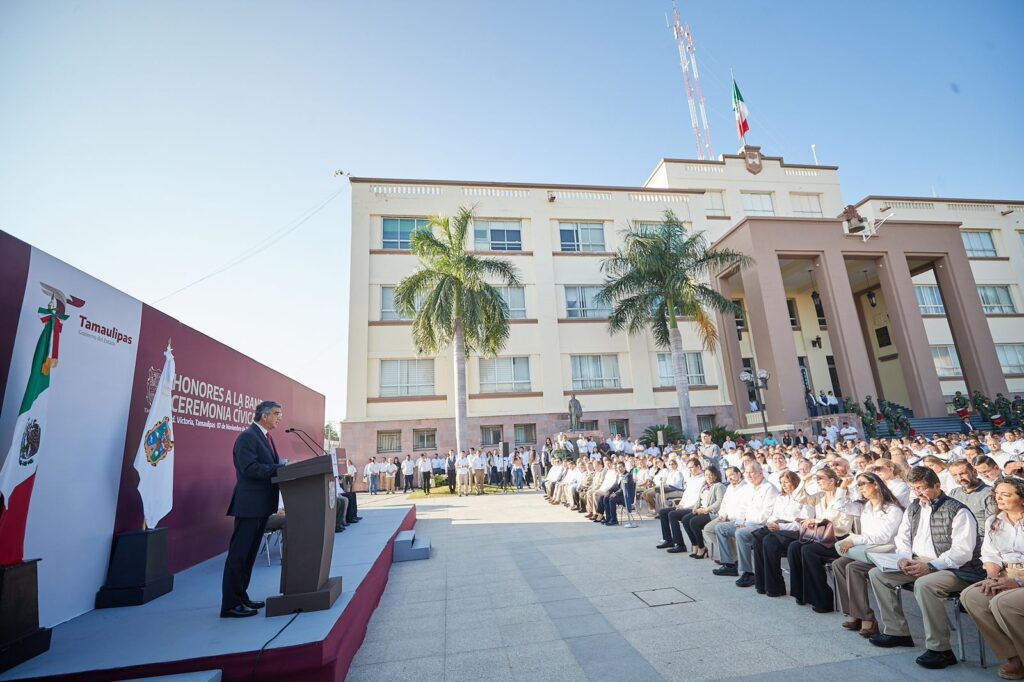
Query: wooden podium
column 309, row 500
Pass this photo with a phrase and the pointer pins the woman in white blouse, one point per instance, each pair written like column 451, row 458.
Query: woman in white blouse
column 997, row 603
column 880, row 518
column 772, row 540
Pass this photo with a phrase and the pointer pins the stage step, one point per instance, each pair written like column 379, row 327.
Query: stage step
column 927, row 426
column 408, row 547
column 200, row 676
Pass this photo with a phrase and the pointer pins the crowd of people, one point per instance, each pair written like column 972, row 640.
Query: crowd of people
column 939, row 517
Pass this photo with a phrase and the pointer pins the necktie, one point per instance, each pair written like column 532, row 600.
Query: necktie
column 273, row 448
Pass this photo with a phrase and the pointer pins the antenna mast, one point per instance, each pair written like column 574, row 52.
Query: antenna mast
column 694, row 97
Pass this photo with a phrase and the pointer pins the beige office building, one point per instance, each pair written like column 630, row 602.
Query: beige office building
column 926, row 303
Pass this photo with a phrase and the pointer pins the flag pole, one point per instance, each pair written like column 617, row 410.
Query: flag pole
column 733, row 76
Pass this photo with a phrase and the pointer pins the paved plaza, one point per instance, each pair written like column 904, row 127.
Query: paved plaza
column 519, row 590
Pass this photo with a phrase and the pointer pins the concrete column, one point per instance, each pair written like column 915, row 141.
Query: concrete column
column 908, row 332
column 732, row 359
column 971, row 333
column 772, row 336
column 853, row 362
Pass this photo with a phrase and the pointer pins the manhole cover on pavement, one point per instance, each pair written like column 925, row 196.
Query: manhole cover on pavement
column 663, row 597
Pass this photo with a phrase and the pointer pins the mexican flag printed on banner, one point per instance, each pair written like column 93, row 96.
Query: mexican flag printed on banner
column 155, row 459
column 740, row 108
column 18, row 475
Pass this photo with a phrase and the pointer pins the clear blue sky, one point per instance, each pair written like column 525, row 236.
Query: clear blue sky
column 150, row 143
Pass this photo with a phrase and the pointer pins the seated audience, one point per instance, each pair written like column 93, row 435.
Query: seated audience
column 771, row 541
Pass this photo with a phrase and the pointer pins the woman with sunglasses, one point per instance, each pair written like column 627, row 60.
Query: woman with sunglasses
column 880, row 518
column 997, row 603
column 772, row 540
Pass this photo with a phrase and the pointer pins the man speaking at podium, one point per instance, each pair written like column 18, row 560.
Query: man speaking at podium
column 253, row 501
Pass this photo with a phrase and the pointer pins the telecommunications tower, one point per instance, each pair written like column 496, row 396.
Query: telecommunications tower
column 691, row 78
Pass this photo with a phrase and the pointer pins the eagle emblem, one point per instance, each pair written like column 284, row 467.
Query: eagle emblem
column 30, row 438
column 158, row 443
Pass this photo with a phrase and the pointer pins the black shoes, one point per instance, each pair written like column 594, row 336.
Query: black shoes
column 678, row 549
column 727, row 570
column 746, row 580
column 611, row 523
column 818, row 609
column 238, row 612
column 936, row 660
column 253, row 604
column 890, row 641
column 665, row 545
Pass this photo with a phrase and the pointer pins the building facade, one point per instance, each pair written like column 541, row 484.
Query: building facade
column 812, row 278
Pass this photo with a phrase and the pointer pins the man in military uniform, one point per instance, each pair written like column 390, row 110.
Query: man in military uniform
column 1017, row 410
column 1002, row 406
column 960, row 401
column 981, row 405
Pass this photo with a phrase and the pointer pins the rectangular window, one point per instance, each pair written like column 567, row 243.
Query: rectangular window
column 504, row 375
column 515, row 299
column 581, row 236
column 645, row 226
column 490, row 435
column 741, row 316
column 694, row 369
column 581, row 303
column 705, row 422
column 806, row 205
column 820, row 312
column 619, row 426
column 389, row 441
column 715, row 201
column 794, row 318
column 588, row 425
column 929, row 299
column 595, row 371
column 1011, row 357
column 398, row 232
column 978, row 244
column 406, row 377
column 882, row 337
column 498, row 235
column 526, row 434
column 387, row 304
column 947, row 364
column 757, row 203
column 676, row 422
column 424, row 439
column 996, row 300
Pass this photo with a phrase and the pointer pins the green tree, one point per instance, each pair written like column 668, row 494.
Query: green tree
column 659, row 277
column 452, row 300
column 330, row 433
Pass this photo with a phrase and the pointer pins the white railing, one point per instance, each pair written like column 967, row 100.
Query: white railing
column 982, row 208
column 650, row 198
column 921, row 205
column 802, row 172
column 496, row 192
column 705, row 168
column 407, row 190
column 579, row 195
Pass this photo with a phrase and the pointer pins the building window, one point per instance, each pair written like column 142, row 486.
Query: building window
column 996, row 300
column 406, row 377
column 947, row 364
column 979, row 244
column 515, row 299
column 588, row 425
column 387, row 304
column 526, row 434
column 649, row 226
column 715, row 202
column 582, row 303
column 676, row 422
column 498, row 235
column 1011, row 357
column 490, row 435
column 581, row 236
column 882, row 337
column 694, row 369
column 619, row 427
column 757, row 203
column 794, row 318
column 929, row 299
column 741, row 316
column 424, row 439
column 820, row 312
column 398, row 232
column 504, row 375
column 389, row 441
column 595, row 371
column 806, row 205
column 833, row 375
column 705, row 422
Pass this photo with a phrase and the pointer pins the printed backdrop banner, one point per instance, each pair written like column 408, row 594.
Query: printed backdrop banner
column 80, row 456
column 215, row 393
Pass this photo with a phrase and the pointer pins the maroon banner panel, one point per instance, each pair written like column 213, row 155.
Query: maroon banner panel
column 14, row 260
column 215, row 394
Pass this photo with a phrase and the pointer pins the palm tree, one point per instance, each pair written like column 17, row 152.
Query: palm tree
column 452, row 302
column 658, row 277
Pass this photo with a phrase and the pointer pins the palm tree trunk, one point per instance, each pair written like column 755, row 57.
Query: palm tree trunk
column 461, row 405
column 687, row 416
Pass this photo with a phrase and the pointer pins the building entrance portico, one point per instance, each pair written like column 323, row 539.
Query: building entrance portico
column 831, row 311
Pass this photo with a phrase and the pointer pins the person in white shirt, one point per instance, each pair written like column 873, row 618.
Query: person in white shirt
column 831, row 432
column 1012, row 445
column 754, row 443
column 638, row 448
column 833, row 403
column 733, row 502
column 555, row 474
column 652, row 451
column 618, row 445
column 728, row 443
column 478, row 463
column 426, row 473
column 581, row 445
column 937, row 549
column 758, row 508
column 388, row 469
column 408, row 471
column 997, row 603
column 462, row 473
column 848, row 432
column 769, row 544
column 371, row 475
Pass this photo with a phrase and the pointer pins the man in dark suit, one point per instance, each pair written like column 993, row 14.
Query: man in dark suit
column 253, row 501
column 449, row 470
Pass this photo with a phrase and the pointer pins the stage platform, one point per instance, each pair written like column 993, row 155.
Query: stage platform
column 182, row 631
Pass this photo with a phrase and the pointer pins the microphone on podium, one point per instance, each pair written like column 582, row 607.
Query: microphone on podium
column 310, row 443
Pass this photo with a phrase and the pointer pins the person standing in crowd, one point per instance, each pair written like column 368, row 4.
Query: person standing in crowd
column 396, row 474
column 408, row 471
column 518, row 472
column 462, row 473
column 478, row 464
column 997, row 603
column 450, row 473
column 811, row 402
column 387, row 473
column 426, row 468
column 833, row 403
column 536, row 470
column 371, row 475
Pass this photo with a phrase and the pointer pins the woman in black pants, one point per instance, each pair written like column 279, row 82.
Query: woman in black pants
column 711, row 496
column 807, row 581
column 771, row 541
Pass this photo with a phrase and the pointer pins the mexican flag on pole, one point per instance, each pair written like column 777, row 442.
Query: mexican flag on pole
column 18, row 475
column 155, row 458
column 739, row 107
